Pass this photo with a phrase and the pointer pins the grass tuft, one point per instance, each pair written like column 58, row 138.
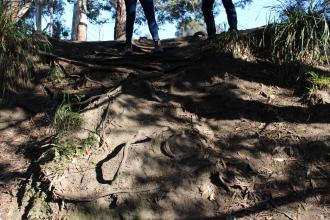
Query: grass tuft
column 55, row 73
column 74, row 148
column 317, row 81
column 235, row 43
column 66, row 120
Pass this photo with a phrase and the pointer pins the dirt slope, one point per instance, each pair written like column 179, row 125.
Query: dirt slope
column 187, row 133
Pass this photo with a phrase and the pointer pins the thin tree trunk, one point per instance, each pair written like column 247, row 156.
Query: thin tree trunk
column 119, row 33
column 38, row 15
column 79, row 21
column 75, row 20
column 82, row 25
column 51, row 19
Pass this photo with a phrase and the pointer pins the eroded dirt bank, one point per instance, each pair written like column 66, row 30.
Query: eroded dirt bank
column 184, row 134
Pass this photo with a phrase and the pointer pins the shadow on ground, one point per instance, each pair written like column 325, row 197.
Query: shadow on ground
column 267, row 151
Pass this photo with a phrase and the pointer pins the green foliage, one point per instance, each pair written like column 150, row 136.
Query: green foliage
column 89, row 141
column 64, row 150
column 55, row 73
column 317, row 81
column 66, row 120
column 189, row 27
column 74, row 148
column 302, row 34
column 183, row 11
column 18, row 54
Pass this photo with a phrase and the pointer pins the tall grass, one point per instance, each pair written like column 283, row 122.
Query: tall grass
column 301, row 33
column 18, row 54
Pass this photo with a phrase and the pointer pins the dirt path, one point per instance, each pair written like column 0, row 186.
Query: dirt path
column 218, row 137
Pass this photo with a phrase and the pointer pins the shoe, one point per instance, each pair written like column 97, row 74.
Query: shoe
column 233, row 30
column 158, row 47
column 128, row 49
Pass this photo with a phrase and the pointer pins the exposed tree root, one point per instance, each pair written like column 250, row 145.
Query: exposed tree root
column 94, row 81
column 116, row 90
column 95, row 196
column 108, row 67
column 139, row 138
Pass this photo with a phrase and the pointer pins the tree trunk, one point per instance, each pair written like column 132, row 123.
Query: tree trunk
column 75, row 20
column 38, row 15
column 51, row 19
column 15, row 10
column 79, row 21
column 119, row 33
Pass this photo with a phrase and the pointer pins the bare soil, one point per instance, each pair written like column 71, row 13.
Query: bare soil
column 188, row 133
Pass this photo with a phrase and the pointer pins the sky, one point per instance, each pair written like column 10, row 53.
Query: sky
column 253, row 15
